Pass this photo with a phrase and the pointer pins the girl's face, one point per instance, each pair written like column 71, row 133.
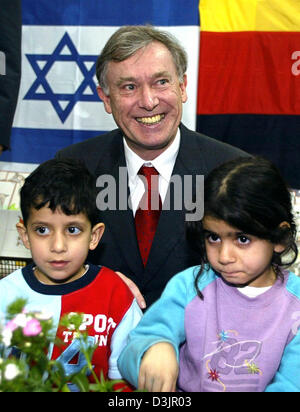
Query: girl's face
column 240, row 259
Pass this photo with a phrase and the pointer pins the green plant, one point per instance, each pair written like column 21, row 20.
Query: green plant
column 25, row 338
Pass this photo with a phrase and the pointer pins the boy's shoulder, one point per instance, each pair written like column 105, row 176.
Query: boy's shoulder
column 114, row 291
column 111, row 280
column 14, row 278
column 12, row 287
column 111, row 275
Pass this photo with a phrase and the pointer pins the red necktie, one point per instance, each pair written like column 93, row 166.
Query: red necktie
column 148, row 212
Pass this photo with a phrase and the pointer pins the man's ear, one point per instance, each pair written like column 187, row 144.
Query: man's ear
column 279, row 248
column 96, row 235
column 21, row 228
column 105, row 98
column 183, row 86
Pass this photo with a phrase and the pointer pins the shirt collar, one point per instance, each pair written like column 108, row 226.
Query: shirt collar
column 164, row 163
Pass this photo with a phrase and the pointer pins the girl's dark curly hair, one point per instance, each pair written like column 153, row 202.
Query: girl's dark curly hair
column 251, row 195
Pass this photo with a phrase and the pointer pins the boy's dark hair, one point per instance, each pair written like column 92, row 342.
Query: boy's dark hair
column 251, row 195
column 64, row 184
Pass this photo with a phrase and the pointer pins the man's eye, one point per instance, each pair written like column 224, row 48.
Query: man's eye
column 162, row 82
column 129, row 87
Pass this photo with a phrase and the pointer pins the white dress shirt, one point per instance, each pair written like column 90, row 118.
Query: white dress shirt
column 164, row 164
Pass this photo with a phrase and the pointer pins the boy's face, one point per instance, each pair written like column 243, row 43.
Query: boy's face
column 59, row 243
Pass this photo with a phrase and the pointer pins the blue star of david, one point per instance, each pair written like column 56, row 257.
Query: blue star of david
column 48, row 93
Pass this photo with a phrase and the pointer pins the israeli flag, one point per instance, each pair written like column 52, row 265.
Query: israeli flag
column 58, row 102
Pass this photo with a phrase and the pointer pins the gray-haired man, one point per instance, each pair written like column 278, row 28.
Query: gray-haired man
column 142, row 83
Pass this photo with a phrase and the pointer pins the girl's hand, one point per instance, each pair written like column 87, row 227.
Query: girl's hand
column 159, row 369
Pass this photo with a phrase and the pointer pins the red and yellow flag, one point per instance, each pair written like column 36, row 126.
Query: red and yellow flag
column 249, row 78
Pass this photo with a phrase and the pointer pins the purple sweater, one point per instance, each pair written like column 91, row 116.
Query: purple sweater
column 226, row 342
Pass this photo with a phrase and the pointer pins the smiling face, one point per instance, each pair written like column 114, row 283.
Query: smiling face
column 241, row 259
column 59, row 243
column 145, row 98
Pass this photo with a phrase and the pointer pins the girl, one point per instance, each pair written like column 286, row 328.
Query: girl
column 231, row 323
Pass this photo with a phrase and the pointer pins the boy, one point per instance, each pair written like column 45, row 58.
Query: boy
column 60, row 226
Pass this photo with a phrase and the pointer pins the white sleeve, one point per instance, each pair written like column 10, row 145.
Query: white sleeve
column 120, row 337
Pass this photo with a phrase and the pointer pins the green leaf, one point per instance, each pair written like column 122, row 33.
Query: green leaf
column 15, row 308
column 81, row 381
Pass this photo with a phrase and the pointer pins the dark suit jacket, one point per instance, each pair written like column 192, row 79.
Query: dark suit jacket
column 10, row 44
column 170, row 253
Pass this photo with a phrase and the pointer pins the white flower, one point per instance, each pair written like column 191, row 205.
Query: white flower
column 43, row 315
column 71, row 326
column 6, row 337
column 11, row 371
column 2, row 323
column 71, row 314
column 21, row 320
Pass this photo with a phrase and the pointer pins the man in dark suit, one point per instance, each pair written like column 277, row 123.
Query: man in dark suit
column 10, row 66
column 142, row 83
